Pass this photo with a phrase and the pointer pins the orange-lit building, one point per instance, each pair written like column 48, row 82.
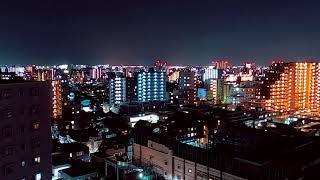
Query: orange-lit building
column 174, row 76
column 57, row 99
column 221, row 64
column 44, row 74
column 297, row 88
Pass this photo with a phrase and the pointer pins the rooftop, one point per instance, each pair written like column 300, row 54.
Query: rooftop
column 70, row 147
column 80, row 168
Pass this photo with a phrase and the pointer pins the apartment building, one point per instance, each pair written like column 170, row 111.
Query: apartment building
column 25, row 112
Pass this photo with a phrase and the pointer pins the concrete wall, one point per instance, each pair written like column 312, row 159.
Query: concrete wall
column 84, row 177
column 155, row 155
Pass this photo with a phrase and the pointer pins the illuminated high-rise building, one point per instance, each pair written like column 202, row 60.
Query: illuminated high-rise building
column 293, row 87
column 210, row 73
column 57, row 99
column 18, row 70
column 271, row 76
column 213, row 82
column 210, row 77
column 117, row 91
column 221, row 64
column 151, row 85
column 44, row 74
column 304, row 86
column 161, row 65
column 131, row 89
column 279, row 94
column 95, row 72
column 173, row 76
column 187, row 87
column 34, row 73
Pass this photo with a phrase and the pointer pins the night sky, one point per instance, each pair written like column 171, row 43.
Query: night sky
column 137, row 32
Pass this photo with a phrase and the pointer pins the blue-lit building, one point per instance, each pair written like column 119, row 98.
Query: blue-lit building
column 151, row 85
column 202, row 93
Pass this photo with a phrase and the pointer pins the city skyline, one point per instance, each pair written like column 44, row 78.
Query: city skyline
column 153, row 63
column 157, row 121
column 159, row 90
column 79, row 32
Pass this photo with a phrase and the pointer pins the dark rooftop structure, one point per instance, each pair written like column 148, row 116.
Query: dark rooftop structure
column 9, row 77
column 249, row 153
column 81, row 169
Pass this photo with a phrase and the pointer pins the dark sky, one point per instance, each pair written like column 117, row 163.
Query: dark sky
column 138, row 31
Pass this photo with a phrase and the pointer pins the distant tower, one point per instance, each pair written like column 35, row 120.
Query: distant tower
column 221, row 64
column 187, row 86
column 160, row 65
column 213, row 82
column 117, row 90
column 57, row 99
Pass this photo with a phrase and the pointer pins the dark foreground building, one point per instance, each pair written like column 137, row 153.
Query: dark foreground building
column 25, row 111
column 231, row 151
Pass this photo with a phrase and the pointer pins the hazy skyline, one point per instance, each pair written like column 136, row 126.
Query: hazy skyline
column 137, row 32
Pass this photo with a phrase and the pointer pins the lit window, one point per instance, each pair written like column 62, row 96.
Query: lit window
column 7, row 114
column 190, row 170
column 8, row 151
column 36, row 126
column 23, row 163
column 36, row 160
column 38, row 176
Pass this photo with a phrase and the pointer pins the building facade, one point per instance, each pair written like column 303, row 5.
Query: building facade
column 25, row 129
column 44, row 74
column 131, row 89
column 293, row 87
column 187, row 87
column 151, row 86
column 213, row 82
column 163, row 162
column 117, row 90
column 221, row 64
column 57, row 99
